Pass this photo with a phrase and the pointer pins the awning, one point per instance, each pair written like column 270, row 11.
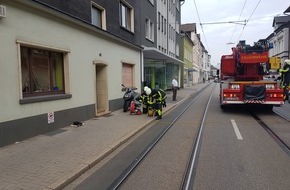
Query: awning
column 153, row 53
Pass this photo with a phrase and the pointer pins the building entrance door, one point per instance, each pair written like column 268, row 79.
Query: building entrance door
column 101, row 89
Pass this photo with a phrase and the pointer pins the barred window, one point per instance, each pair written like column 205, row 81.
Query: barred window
column 42, row 72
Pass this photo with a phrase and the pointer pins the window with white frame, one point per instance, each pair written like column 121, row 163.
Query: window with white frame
column 177, row 26
column 159, row 20
column 98, row 16
column 151, row 1
column 149, row 29
column 165, row 26
column 126, row 16
column 162, row 24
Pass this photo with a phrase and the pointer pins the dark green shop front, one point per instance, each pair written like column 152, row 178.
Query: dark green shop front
column 160, row 68
column 158, row 74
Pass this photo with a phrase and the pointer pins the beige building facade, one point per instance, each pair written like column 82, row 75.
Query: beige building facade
column 56, row 69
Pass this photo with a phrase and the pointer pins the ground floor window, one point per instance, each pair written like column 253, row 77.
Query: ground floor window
column 158, row 74
column 128, row 75
column 42, row 72
column 155, row 74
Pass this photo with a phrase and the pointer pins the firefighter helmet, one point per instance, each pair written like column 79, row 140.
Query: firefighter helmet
column 287, row 61
column 148, row 91
column 145, row 87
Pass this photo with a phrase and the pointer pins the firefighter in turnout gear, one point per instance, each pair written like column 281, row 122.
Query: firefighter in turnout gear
column 144, row 100
column 285, row 75
column 157, row 100
column 149, row 101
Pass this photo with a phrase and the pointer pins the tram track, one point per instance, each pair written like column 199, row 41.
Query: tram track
column 190, row 169
column 188, row 178
column 274, row 135
column 167, row 153
column 196, row 143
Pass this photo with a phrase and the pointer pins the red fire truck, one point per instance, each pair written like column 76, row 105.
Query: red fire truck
column 242, row 77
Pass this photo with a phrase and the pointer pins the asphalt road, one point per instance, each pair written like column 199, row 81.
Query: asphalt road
column 236, row 152
column 165, row 165
column 240, row 157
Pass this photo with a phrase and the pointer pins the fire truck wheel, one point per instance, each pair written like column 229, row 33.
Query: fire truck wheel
column 269, row 107
column 223, row 107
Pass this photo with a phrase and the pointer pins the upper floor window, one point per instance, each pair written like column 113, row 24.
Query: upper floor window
column 42, row 72
column 159, row 18
column 149, row 29
column 126, row 16
column 151, row 1
column 177, row 26
column 165, row 25
column 98, row 16
column 161, row 23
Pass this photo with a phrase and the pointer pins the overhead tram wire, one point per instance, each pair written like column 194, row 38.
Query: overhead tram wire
column 238, row 20
column 201, row 25
column 234, row 22
column 225, row 22
column 249, row 19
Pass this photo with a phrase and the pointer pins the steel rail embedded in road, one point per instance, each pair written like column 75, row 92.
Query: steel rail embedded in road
column 188, row 179
column 281, row 143
column 125, row 174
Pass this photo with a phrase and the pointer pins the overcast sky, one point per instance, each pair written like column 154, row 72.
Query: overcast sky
column 215, row 37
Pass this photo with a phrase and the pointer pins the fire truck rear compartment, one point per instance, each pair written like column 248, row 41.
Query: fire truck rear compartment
column 254, row 93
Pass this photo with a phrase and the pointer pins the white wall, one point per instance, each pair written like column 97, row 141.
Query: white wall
column 84, row 45
column 280, row 41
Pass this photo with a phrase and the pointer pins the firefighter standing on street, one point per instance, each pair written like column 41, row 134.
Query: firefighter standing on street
column 157, row 100
column 144, row 100
column 285, row 74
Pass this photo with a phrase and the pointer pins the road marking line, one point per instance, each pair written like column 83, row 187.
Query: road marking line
column 237, row 131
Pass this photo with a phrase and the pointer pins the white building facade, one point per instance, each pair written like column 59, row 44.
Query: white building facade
column 280, row 38
column 161, row 57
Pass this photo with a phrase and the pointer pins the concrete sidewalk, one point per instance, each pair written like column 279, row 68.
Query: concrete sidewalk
column 283, row 111
column 52, row 160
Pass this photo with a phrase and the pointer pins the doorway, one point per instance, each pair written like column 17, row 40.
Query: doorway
column 101, row 89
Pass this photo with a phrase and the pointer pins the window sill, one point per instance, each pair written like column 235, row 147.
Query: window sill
column 29, row 100
column 127, row 29
column 150, row 40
